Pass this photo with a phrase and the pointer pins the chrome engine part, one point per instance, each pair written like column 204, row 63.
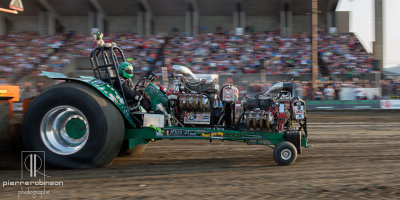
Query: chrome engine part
column 259, row 120
column 194, row 108
column 194, row 102
column 200, row 103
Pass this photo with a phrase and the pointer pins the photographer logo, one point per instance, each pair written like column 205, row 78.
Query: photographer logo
column 33, row 176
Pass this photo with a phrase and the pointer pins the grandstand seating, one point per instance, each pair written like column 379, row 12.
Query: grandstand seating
column 222, row 53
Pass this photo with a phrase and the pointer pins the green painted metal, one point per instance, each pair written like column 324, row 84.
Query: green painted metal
column 139, row 136
column 54, row 75
column 343, row 104
column 75, row 128
column 204, row 133
column 112, row 94
column 106, row 89
column 156, row 96
column 142, row 136
column 142, row 133
column 304, row 142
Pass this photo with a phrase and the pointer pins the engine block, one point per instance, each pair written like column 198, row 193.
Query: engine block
column 200, row 103
column 194, row 102
column 195, row 108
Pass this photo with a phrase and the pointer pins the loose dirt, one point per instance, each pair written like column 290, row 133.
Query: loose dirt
column 355, row 155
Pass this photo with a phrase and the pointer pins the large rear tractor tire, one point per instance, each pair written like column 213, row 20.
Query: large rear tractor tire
column 285, row 153
column 75, row 125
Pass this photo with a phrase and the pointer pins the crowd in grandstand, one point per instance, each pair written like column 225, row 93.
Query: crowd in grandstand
column 229, row 53
column 222, row 53
column 329, row 89
column 21, row 53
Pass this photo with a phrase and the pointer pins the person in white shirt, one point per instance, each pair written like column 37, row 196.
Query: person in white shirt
column 329, row 92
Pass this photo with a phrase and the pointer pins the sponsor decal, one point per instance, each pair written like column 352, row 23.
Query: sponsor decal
column 181, row 132
column 213, row 134
column 299, row 111
column 197, row 118
column 192, row 133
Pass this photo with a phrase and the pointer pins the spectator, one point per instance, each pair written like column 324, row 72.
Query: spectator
column 223, row 53
column 329, row 92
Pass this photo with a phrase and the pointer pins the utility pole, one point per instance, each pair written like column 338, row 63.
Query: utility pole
column 378, row 45
column 314, row 42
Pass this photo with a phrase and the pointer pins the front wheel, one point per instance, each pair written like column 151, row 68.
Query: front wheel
column 75, row 125
column 285, row 153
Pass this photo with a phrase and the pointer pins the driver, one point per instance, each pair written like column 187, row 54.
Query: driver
column 125, row 72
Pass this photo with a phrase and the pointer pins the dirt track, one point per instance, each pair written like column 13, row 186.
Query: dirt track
column 351, row 159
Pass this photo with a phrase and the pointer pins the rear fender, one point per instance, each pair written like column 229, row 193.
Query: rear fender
column 106, row 89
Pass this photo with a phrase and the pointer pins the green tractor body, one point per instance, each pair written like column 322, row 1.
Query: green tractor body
column 79, row 121
column 138, row 136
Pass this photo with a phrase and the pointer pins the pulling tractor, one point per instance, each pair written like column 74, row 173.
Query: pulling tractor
column 86, row 122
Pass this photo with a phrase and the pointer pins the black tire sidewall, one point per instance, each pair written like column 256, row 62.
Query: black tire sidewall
column 84, row 99
column 282, row 146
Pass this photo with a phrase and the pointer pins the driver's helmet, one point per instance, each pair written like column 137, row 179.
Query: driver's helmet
column 125, row 70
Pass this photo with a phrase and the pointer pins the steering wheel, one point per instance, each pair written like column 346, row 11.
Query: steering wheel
column 139, row 85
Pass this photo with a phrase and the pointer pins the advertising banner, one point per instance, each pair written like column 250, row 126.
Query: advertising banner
column 390, row 104
column 354, row 93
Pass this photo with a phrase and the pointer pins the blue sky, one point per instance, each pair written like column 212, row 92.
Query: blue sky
column 362, row 24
